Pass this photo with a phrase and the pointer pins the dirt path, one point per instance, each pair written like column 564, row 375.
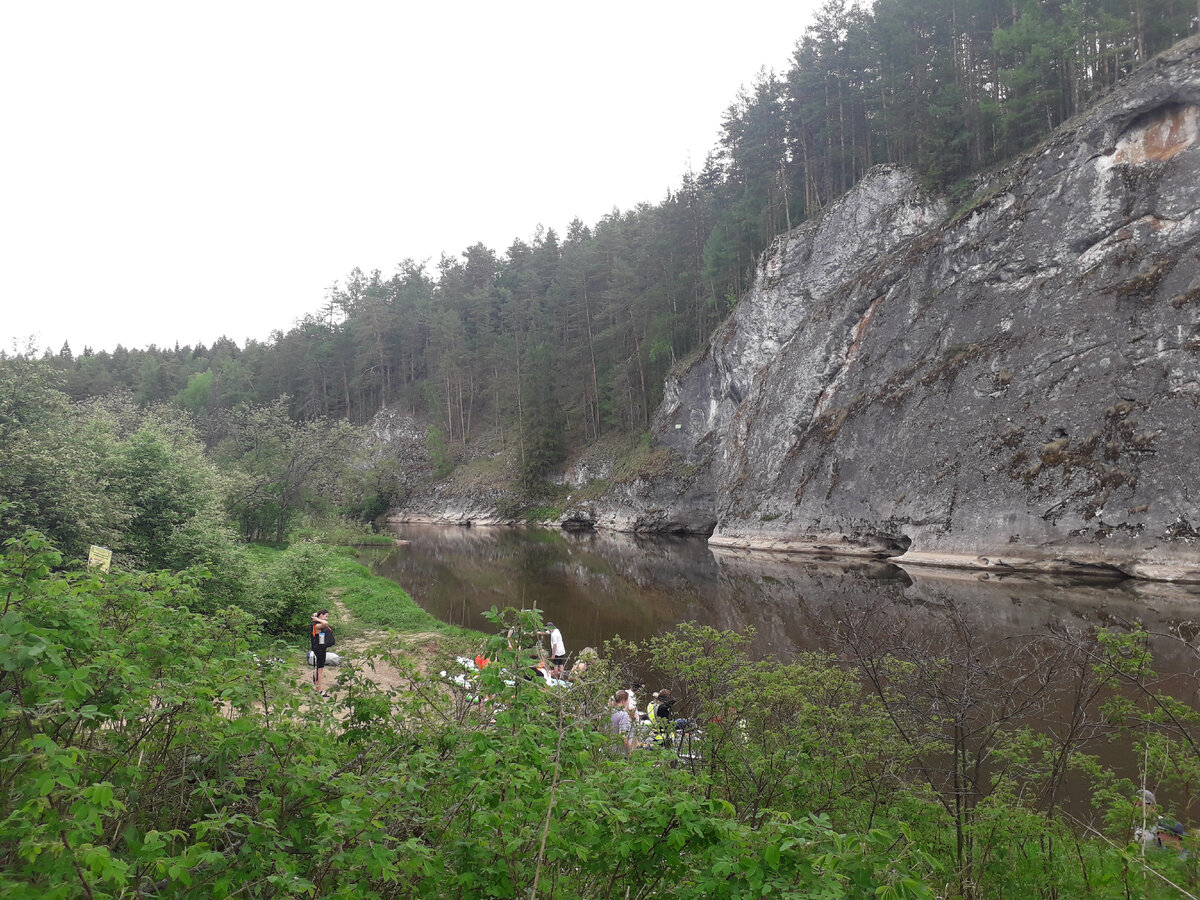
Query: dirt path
column 422, row 650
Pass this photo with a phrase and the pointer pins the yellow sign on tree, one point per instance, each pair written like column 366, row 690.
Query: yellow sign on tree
column 99, row 557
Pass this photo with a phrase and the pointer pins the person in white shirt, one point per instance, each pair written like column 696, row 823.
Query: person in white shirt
column 558, row 649
column 638, row 685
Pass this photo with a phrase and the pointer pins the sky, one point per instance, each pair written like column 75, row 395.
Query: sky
column 174, row 172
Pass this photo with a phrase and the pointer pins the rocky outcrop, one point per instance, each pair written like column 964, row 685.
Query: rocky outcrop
column 594, row 465
column 398, row 435
column 422, row 497
column 680, row 501
column 1014, row 386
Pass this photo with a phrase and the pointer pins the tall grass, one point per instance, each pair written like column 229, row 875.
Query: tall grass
column 378, row 603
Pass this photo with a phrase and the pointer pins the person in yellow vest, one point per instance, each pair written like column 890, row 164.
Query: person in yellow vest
column 658, row 714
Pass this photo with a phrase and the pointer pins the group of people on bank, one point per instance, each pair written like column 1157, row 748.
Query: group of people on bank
column 1154, row 831
column 536, row 662
column 638, row 721
column 654, row 724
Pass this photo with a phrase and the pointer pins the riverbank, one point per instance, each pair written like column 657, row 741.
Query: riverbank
column 376, row 603
column 379, row 627
column 806, row 783
column 1017, row 558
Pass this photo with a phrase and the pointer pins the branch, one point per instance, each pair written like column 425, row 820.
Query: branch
column 549, row 808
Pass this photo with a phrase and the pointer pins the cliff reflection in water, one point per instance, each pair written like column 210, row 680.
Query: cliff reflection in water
column 596, row 585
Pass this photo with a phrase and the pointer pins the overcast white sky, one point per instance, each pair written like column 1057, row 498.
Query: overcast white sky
column 175, row 172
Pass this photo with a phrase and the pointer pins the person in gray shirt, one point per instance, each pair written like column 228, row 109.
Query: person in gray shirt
column 619, row 723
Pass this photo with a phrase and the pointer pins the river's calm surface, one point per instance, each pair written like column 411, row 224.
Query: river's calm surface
column 597, row 585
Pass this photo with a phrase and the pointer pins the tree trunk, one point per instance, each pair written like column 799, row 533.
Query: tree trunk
column 587, row 311
column 499, row 416
column 520, row 408
column 637, row 346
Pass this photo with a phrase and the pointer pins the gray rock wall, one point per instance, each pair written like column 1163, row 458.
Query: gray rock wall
column 1016, row 385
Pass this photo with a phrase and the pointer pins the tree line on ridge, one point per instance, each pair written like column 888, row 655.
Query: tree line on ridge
column 560, row 340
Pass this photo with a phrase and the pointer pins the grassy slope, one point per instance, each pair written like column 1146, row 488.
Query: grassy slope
column 372, row 617
column 367, row 603
column 376, row 602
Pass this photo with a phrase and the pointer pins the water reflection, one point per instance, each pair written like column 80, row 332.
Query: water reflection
column 598, row 584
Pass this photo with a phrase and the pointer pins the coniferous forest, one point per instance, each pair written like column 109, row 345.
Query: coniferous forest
column 560, row 339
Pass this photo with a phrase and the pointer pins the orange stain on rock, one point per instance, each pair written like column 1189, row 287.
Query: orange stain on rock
column 1172, row 130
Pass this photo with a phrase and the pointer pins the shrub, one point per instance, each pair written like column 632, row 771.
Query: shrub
column 290, row 587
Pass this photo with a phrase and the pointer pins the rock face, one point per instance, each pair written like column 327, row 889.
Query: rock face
column 677, row 502
column 401, row 436
column 1015, row 385
column 421, row 496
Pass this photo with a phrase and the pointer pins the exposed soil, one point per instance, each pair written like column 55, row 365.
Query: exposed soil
column 380, row 654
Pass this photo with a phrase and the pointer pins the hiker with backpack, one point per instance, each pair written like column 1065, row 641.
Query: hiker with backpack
column 321, row 640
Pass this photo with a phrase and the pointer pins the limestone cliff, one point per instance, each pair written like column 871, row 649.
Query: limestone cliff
column 1015, row 384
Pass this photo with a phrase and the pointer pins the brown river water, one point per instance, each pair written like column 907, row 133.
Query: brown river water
column 596, row 585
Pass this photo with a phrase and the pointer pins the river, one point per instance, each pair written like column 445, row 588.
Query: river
column 595, row 585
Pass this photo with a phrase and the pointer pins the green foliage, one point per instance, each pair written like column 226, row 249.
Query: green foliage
column 282, row 467
column 197, row 396
column 376, row 602
column 205, row 549
column 439, row 454
column 147, row 751
column 290, row 587
column 537, row 514
column 54, row 472
column 799, row 736
column 371, row 487
column 106, row 473
column 173, row 494
column 340, row 531
column 1163, row 728
column 543, row 439
column 110, row 704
